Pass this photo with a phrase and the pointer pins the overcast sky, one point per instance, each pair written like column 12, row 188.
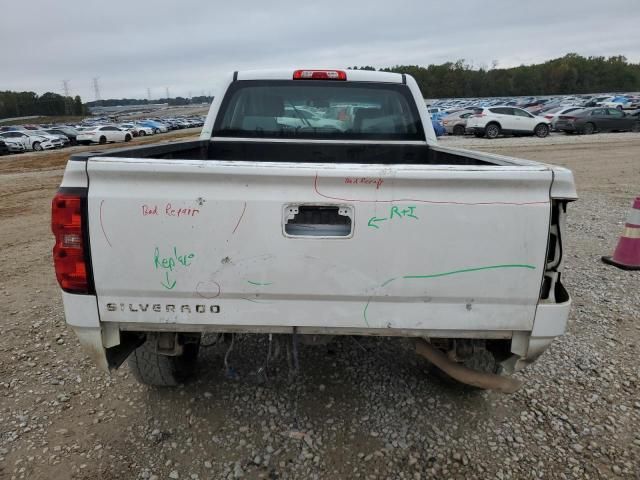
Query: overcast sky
column 185, row 44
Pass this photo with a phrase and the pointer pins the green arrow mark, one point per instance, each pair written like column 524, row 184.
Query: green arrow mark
column 373, row 220
column 169, row 285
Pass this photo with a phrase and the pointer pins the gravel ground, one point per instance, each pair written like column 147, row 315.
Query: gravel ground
column 359, row 408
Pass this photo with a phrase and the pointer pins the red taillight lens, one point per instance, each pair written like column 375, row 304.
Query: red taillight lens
column 548, row 117
column 68, row 251
column 319, row 75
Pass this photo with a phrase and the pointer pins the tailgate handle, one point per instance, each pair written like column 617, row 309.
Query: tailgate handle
column 318, row 221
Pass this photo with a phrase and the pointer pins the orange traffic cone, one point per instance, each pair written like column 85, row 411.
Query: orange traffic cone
column 627, row 253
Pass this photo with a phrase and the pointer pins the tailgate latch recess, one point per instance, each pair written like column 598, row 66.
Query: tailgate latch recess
column 313, row 221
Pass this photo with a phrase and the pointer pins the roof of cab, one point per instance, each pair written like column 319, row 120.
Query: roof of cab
column 352, row 75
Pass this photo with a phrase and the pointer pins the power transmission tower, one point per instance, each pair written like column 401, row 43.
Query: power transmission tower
column 96, row 88
column 167, row 91
column 65, row 88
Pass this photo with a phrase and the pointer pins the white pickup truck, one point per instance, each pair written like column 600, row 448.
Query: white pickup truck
column 359, row 225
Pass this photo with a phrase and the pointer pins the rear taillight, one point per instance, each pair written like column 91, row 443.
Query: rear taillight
column 69, row 250
column 548, row 117
column 565, row 117
column 319, row 75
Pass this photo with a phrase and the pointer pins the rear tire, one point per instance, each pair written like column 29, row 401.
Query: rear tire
column 458, row 130
column 37, row 147
column 102, row 140
column 589, row 128
column 636, row 127
column 127, row 138
column 151, row 368
column 492, row 130
column 141, row 133
column 541, row 130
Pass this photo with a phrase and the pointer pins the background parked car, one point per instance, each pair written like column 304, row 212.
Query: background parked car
column 30, row 140
column 438, row 128
column 4, row 150
column 456, row 123
column 493, row 121
column 103, row 134
column 553, row 114
column 597, row 119
column 143, row 130
column 619, row 102
column 15, row 145
column 156, row 126
column 136, row 130
column 68, row 132
column 59, row 140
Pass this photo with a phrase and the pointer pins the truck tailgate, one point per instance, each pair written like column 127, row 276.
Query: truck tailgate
column 318, row 245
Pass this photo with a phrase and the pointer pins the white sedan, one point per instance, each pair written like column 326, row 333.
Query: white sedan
column 103, row 134
column 31, row 141
column 140, row 130
column 54, row 137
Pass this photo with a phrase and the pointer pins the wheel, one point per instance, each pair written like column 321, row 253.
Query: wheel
column 150, row 368
column 37, row 147
column 127, row 138
column 589, row 128
column 141, row 133
column 541, row 130
column 619, row 107
column 636, row 127
column 492, row 130
column 458, row 130
column 103, row 140
column 156, row 131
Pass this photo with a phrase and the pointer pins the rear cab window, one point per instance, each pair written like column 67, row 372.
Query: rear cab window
column 310, row 109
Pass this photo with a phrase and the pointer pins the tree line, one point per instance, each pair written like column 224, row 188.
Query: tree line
column 571, row 74
column 112, row 102
column 21, row 104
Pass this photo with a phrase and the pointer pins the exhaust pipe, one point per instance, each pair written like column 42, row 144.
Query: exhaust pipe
column 462, row 374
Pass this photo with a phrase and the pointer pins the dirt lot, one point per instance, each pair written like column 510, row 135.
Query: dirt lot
column 360, row 409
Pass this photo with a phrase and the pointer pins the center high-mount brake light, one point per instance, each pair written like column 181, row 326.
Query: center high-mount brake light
column 319, row 75
column 68, row 251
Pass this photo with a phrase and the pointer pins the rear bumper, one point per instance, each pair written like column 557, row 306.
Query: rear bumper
column 550, row 322
column 97, row 338
column 566, row 127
